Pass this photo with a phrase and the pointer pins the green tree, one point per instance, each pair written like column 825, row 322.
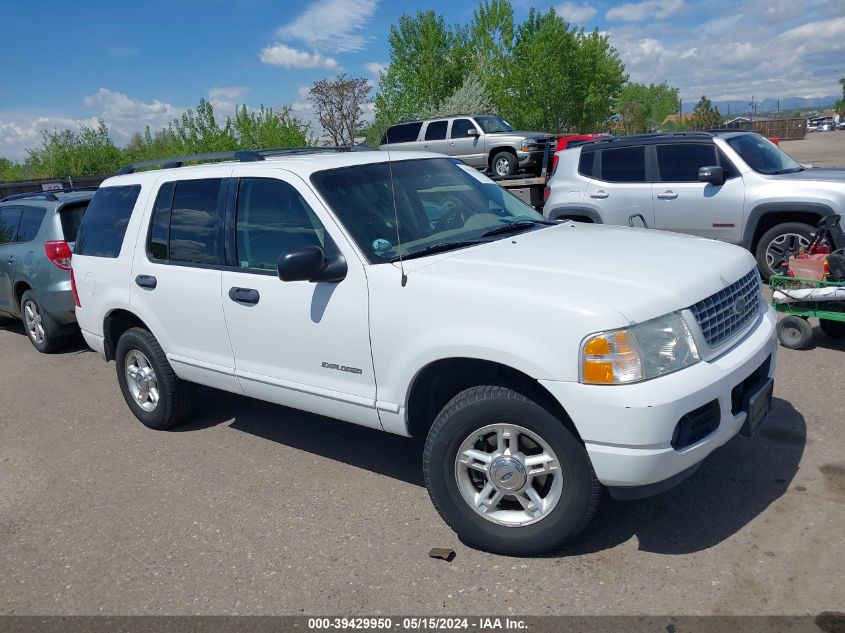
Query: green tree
column 643, row 107
column 839, row 106
column 595, row 82
column 471, row 98
column 75, row 153
column 428, row 62
column 705, row 114
column 491, row 40
column 11, row 171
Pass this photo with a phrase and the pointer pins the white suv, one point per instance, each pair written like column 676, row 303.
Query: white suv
column 732, row 186
column 540, row 360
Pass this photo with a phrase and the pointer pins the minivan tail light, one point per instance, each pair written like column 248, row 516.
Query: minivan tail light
column 73, row 289
column 59, row 253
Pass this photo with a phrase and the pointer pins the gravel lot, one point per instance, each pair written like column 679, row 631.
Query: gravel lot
column 820, row 149
column 264, row 510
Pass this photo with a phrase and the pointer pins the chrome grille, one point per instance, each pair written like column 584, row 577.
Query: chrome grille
column 723, row 315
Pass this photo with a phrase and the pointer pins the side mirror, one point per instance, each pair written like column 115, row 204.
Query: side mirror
column 472, row 132
column 713, row 175
column 309, row 263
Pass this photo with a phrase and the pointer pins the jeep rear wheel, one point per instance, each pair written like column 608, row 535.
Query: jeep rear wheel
column 778, row 243
column 507, row 475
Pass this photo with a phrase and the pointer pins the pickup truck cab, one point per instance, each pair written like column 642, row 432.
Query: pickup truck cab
column 540, row 360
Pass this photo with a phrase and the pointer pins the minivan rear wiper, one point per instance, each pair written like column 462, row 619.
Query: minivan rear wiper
column 514, row 227
column 437, row 248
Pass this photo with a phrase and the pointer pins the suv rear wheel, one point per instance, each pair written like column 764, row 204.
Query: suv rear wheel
column 506, row 474
column 776, row 245
column 155, row 395
column 40, row 328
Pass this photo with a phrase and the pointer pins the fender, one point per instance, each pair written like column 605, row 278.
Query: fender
column 761, row 210
column 562, row 211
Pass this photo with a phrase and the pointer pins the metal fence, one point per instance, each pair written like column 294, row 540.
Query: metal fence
column 46, row 184
column 784, row 129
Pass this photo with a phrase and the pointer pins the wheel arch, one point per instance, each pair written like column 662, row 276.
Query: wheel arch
column 495, row 150
column 115, row 323
column 20, row 287
column 769, row 214
column 578, row 214
column 440, row 380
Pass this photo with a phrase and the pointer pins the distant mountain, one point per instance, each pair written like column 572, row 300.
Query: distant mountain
column 740, row 107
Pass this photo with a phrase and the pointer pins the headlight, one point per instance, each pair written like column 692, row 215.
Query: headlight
column 643, row 351
column 525, row 147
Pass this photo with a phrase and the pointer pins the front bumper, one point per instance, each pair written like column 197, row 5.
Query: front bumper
column 628, row 429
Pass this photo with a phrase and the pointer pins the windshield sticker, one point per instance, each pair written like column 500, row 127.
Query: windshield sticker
column 381, row 245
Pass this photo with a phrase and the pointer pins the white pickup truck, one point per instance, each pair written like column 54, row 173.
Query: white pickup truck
column 540, row 360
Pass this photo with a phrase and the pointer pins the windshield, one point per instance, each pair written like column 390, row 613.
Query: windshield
column 440, row 204
column 762, row 155
column 491, row 124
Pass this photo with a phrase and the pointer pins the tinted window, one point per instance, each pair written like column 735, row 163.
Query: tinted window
column 585, row 163
column 624, row 164
column 403, row 133
column 492, row 124
column 762, row 155
column 436, row 131
column 272, row 219
column 71, row 218
column 681, row 162
column 105, row 221
column 9, row 220
column 194, row 237
column 460, row 128
column 30, row 223
column 157, row 245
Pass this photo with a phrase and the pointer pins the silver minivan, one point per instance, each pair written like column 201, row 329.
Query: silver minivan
column 486, row 142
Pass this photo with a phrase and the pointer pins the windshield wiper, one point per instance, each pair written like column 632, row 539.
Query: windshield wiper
column 515, row 227
column 437, row 248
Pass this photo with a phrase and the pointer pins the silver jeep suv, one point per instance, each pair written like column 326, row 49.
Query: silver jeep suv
column 732, row 186
column 486, row 142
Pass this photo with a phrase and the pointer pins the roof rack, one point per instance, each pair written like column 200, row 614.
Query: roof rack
column 46, row 195
column 244, row 156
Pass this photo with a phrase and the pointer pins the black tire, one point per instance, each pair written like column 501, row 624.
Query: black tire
column 502, row 159
column 470, row 411
column 175, row 396
column 781, row 239
column 834, row 329
column 795, row 332
column 50, row 339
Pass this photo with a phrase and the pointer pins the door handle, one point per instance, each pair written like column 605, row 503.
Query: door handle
column 146, row 281
column 247, row 296
column 667, row 195
column 451, row 145
column 601, row 194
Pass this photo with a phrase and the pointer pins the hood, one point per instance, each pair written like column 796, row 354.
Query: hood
column 826, row 174
column 640, row 273
column 521, row 134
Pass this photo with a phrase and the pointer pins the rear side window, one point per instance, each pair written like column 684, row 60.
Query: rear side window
column 30, row 223
column 71, row 218
column 403, row 133
column 10, row 218
column 272, row 218
column 460, row 127
column 623, row 164
column 104, row 223
column 184, row 225
column 681, row 162
column 436, row 131
column 585, row 164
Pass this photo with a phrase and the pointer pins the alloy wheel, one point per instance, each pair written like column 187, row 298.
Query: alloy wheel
column 33, row 322
column 141, row 380
column 780, row 248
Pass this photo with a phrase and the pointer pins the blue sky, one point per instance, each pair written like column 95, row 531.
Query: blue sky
column 145, row 62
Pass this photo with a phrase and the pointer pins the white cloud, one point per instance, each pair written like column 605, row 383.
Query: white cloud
column 575, row 13
column 287, row 57
column 647, row 10
column 332, row 25
column 19, row 133
column 125, row 115
column 375, row 68
column 228, row 93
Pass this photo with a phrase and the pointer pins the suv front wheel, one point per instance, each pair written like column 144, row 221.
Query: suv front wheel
column 778, row 243
column 506, row 474
column 153, row 391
